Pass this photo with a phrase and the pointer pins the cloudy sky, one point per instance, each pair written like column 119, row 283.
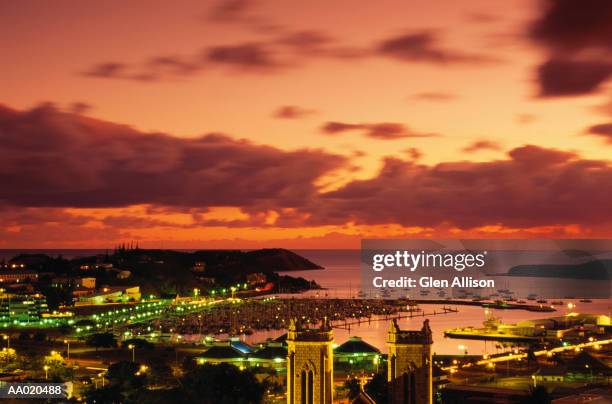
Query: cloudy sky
column 250, row 123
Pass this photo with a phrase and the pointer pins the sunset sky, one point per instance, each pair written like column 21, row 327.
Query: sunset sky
column 268, row 123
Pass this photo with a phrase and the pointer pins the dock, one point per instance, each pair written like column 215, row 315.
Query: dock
column 346, row 325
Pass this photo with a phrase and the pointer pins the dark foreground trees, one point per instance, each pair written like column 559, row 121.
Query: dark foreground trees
column 206, row 384
column 223, row 383
column 101, row 340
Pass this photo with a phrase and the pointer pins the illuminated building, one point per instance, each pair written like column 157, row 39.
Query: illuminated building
column 409, row 365
column 17, row 276
column 111, row 294
column 22, row 309
column 356, row 354
column 309, row 364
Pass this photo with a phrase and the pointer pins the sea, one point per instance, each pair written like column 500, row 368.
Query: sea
column 341, row 278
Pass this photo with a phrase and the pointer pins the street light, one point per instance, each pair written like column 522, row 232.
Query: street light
column 46, row 368
column 7, row 338
column 68, row 351
column 133, row 348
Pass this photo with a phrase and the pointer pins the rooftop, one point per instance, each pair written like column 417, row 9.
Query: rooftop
column 222, row 352
column 356, row 345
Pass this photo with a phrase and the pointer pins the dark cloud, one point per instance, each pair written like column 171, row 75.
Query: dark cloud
column 310, row 44
column 51, row 160
column 246, row 56
column 106, row 70
column 173, row 65
column 482, row 144
column 424, row 46
column 56, row 159
column 383, row 130
column 281, row 49
column 532, row 187
column 292, row 112
column 569, row 25
column 414, row 153
column 603, row 130
column 284, row 49
column 305, row 40
column 434, row 96
column 332, row 128
column 560, row 77
column 577, row 35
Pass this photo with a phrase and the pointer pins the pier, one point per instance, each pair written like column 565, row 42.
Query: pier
column 410, row 314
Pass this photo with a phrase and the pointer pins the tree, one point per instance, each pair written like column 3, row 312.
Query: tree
column 126, row 377
column 160, row 372
column 56, row 297
column 101, row 340
column 57, row 369
column 138, row 343
column 125, row 372
column 222, row 383
column 65, row 329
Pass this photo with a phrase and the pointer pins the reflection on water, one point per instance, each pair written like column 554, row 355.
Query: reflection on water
column 375, row 332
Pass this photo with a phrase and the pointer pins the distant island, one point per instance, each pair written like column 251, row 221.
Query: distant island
column 592, row 270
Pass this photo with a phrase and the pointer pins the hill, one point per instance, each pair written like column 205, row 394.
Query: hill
column 594, row 270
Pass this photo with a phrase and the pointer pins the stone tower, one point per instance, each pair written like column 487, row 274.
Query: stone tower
column 309, row 364
column 409, row 365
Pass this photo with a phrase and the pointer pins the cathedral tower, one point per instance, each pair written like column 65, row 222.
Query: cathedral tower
column 309, row 364
column 409, row 365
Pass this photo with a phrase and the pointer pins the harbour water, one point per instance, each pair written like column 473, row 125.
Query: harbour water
column 341, row 279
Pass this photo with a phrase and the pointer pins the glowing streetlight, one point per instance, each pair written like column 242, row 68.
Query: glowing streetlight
column 133, row 348
column 46, row 368
column 7, row 338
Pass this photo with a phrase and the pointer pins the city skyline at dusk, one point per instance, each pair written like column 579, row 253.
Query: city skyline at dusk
column 255, row 123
